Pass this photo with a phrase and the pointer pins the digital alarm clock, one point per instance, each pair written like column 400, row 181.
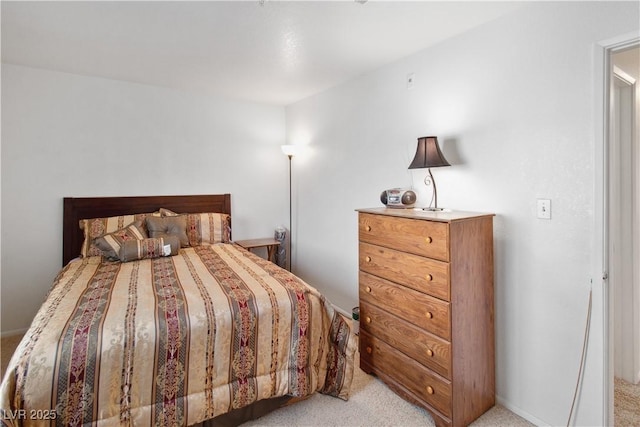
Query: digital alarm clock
column 398, row 198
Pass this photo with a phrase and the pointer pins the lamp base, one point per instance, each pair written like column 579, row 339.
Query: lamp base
column 435, row 209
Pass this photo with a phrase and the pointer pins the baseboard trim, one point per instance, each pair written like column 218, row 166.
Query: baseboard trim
column 7, row 334
column 519, row 412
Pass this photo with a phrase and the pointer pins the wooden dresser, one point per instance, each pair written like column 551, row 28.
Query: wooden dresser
column 426, row 308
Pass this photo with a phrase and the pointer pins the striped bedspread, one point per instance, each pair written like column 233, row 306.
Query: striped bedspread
column 174, row 341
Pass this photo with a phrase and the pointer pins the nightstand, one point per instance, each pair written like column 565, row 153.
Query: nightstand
column 269, row 243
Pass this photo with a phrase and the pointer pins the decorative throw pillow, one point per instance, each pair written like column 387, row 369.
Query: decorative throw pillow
column 96, row 227
column 149, row 248
column 110, row 243
column 169, row 225
column 212, row 227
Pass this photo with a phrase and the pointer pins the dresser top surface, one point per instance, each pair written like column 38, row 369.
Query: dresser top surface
column 419, row 213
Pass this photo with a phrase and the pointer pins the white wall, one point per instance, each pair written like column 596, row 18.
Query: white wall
column 512, row 104
column 69, row 135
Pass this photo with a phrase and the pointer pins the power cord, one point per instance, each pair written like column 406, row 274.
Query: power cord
column 584, row 351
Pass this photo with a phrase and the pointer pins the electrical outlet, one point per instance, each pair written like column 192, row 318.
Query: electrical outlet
column 544, row 208
column 411, row 78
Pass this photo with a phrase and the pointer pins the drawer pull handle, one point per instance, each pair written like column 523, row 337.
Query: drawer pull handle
column 368, row 228
column 428, row 239
column 368, row 319
column 367, row 258
column 430, row 390
column 429, row 277
column 429, row 315
column 369, row 350
column 368, row 289
column 429, row 352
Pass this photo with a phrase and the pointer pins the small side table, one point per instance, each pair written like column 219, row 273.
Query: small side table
column 269, row 243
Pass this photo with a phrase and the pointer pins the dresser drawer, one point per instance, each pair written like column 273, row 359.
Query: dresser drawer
column 419, row 380
column 428, row 349
column 415, row 307
column 426, row 238
column 417, row 272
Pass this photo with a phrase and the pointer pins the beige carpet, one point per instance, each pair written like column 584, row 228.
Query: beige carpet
column 7, row 347
column 372, row 403
column 626, row 404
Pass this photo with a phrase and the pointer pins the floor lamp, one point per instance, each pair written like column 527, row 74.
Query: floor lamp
column 289, row 151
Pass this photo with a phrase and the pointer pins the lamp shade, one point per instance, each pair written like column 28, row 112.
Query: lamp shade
column 428, row 154
column 289, row 150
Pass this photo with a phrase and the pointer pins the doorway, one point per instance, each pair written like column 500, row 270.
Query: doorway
column 623, row 214
column 624, row 228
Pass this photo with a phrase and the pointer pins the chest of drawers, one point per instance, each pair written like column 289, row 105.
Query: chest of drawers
column 426, row 308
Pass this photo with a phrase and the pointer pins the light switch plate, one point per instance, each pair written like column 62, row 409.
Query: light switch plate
column 411, row 78
column 544, row 208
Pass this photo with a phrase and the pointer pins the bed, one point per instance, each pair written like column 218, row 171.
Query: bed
column 205, row 334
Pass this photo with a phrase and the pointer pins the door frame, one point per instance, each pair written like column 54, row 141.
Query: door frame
column 603, row 74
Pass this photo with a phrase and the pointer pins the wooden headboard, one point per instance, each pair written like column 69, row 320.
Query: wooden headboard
column 77, row 208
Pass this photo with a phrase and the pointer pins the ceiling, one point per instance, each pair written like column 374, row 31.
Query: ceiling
column 274, row 52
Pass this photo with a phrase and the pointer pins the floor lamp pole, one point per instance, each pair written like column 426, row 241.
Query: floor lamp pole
column 290, row 216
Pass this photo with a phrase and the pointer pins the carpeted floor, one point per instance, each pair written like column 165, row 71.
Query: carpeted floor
column 626, row 405
column 7, row 347
column 372, row 403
